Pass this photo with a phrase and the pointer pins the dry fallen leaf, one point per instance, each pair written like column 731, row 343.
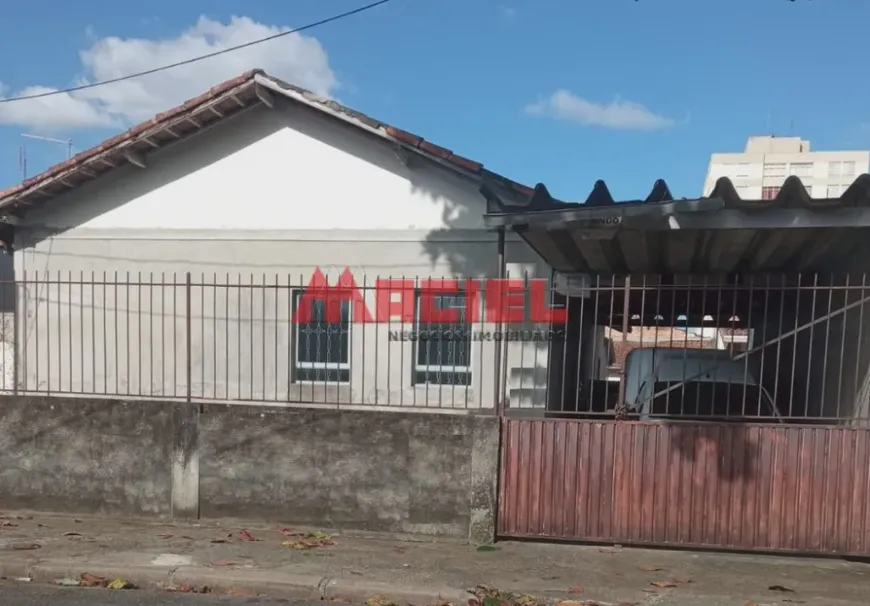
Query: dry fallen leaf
column 663, row 584
column 576, row 589
column 780, row 588
column 682, row 580
column 91, row 580
column 653, row 591
column 216, row 541
column 164, row 535
column 121, row 584
column 72, row 534
column 379, row 600
column 25, row 546
column 184, row 588
column 223, row 563
column 244, row 535
column 8, row 525
column 649, row 568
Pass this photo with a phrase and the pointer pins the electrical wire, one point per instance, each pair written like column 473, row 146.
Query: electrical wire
column 195, row 59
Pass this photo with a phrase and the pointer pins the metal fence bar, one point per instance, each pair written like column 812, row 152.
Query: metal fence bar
column 668, row 348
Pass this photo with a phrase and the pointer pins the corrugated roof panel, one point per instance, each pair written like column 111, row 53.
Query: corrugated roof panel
column 720, row 233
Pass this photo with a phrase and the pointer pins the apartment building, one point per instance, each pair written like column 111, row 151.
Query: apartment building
column 760, row 170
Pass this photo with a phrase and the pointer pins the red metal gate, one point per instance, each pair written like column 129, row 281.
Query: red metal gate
column 726, row 485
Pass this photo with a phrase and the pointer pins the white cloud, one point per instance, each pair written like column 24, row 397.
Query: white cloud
column 618, row 114
column 297, row 58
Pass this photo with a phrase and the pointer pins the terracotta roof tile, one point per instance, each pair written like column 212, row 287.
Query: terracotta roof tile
column 408, row 139
column 131, row 133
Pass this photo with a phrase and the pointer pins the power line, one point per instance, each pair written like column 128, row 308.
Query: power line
column 196, row 59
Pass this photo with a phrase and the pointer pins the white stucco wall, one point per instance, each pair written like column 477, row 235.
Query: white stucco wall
column 263, row 199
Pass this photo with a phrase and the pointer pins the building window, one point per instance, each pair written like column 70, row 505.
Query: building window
column 848, row 169
column 322, row 348
column 736, row 171
column 769, row 193
column 443, row 355
column 835, row 191
column 801, row 169
column 774, row 170
column 835, row 169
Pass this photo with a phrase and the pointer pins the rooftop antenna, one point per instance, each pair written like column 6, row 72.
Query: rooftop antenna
column 22, row 152
column 22, row 162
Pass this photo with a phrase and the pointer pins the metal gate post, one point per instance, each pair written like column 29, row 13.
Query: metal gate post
column 502, row 270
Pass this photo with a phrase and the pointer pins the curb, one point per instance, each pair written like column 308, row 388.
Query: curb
column 273, row 584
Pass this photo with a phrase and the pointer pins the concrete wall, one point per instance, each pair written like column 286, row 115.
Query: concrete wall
column 263, row 199
column 381, row 471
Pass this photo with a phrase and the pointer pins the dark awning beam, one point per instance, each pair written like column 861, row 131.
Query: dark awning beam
column 785, row 218
column 667, row 217
column 623, row 216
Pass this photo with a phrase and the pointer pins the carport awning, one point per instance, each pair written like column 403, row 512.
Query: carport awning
column 718, row 234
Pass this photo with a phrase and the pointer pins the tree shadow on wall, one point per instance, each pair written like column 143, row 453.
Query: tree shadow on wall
column 463, row 248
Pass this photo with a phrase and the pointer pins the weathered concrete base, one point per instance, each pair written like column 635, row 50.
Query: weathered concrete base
column 484, row 480
column 185, row 461
column 394, row 472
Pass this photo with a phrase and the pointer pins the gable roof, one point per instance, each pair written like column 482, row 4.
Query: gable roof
column 228, row 99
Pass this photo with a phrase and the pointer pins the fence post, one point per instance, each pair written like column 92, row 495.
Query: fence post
column 497, row 361
column 188, row 321
column 15, row 333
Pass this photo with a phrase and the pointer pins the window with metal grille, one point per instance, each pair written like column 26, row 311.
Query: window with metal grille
column 443, row 355
column 322, row 345
column 769, row 193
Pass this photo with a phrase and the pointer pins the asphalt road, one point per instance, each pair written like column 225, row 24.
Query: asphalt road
column 25, row 594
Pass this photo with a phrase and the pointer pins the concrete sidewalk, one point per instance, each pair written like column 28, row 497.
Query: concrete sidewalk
column 281, row 563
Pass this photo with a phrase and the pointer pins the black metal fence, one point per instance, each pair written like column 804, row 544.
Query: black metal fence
column 769, row 348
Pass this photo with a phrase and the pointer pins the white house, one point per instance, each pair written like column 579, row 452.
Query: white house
column 249, row 188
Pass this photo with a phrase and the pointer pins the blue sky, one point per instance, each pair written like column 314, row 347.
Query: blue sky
column 625, row 91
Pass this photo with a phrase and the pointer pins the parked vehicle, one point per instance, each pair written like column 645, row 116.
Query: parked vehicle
column 693, row 384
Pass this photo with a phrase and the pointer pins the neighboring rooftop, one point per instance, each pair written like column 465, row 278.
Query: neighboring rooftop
column 221, row 102
column 771, row 144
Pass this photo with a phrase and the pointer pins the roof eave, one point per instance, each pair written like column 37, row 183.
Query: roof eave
column 134, row 150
